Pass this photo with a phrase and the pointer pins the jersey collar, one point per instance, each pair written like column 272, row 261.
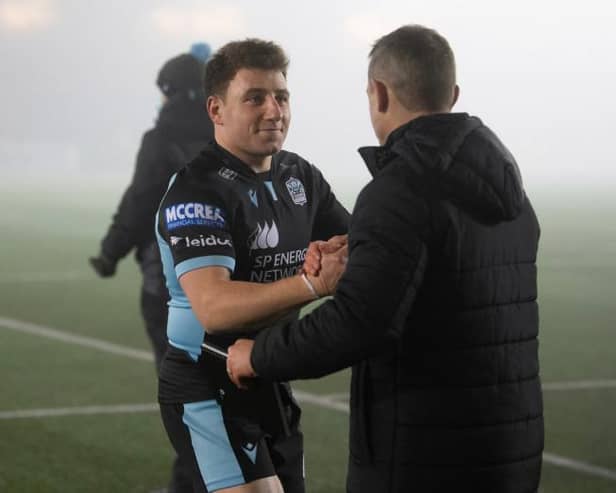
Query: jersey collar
column 233, row 162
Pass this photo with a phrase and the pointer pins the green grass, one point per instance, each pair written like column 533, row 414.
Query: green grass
column 50, row 232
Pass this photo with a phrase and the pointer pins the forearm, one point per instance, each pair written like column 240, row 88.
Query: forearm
column 237, row 305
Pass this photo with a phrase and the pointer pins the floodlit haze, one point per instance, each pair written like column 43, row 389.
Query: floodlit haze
column 78, row 89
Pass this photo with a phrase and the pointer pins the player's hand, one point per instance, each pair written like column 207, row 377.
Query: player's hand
column 104, row 266
column 239, row 367
column 332, row 267
column 312, row 262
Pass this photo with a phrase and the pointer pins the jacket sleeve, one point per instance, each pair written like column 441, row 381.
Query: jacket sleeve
column 368, row 312
column 331, row 218
column 132, row 224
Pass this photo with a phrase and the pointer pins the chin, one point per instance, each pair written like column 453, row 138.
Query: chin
column 272, row 147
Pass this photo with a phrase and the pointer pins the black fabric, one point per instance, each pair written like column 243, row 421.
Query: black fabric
column 437, row 312
column 182, row 73
column 154, row 311
column 179, row 436
column 237, row 205
column 181, row 131
column 253, row 416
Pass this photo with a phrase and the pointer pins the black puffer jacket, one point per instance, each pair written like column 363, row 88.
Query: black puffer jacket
column 437, row 311
column 181, row 131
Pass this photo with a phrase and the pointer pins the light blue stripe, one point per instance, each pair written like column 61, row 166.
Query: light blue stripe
column 218, row 465
column 175, row 290
column 270, row 187
column 207, row 261
column 184, row 331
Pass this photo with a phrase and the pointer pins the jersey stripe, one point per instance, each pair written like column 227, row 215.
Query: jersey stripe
column 207, row 261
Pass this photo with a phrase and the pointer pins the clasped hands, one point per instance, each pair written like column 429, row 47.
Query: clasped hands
column 324, row 264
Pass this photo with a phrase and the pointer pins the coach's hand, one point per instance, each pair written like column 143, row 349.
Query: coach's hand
column 103, row 265
column 332, row 267
column 239, row 367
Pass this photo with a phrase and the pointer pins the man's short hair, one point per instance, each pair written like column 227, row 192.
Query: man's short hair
column 418, row 65
column 250, row 53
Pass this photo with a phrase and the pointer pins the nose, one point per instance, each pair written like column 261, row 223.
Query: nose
column 273, row 109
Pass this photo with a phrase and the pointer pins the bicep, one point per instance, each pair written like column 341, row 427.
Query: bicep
column 203, row 283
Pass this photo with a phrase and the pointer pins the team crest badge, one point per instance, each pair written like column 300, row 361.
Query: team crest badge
column 296, row 191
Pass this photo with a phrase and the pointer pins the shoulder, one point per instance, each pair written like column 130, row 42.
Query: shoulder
column 394, row 192
column 290, row 161
column 294, row 170
column 188, row 203
column 196, row 183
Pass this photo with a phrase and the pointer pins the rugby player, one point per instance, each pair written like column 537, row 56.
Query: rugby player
column 233, row 229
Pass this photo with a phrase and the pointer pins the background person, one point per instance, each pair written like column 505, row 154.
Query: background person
column 437, row 308
column 182, row 129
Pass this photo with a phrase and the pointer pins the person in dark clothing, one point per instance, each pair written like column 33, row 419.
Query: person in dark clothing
column 437, row 309
column 182, row 129
column 233, row 229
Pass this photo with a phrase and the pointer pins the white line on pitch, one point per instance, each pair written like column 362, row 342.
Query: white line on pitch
column 576, row 465
column 321, row 401
column 303, row 397
column 580, row 385
column 41, row 330
column 78, row 411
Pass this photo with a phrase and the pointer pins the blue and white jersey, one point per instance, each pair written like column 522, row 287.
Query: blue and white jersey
column 218, row 212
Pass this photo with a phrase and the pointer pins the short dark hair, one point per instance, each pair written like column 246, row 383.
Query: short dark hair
column 250, row 53
column 419, row 66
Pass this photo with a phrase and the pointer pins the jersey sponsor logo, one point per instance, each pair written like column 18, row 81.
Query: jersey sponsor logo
column 296, row 191
column 263, row 237
column 201, row 241
column 227, row 174
column 250, row 449
column 276, row 266
column 194, row 214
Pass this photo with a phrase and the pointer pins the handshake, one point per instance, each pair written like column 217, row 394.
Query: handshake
column 324, row 264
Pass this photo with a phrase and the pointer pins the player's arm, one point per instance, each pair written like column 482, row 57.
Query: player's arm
column 222, row 304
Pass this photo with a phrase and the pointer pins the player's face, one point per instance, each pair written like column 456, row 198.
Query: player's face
column 252, row 119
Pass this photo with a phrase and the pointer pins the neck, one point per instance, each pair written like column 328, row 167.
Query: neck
column 257, row 163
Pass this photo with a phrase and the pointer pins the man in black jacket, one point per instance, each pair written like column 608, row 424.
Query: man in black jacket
column 437, row 308
column 182, row 129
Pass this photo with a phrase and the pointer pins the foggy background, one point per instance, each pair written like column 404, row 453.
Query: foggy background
column 77, row 91
column 78, row 79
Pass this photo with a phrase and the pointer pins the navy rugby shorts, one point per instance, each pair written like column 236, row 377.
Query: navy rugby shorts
column 239, row 438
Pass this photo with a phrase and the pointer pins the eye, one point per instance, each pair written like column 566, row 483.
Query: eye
column 256, row 99
column 282, row 98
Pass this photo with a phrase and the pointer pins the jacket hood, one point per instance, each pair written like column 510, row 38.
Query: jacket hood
column 464, row 161
column 183, row 73
column 185, row 116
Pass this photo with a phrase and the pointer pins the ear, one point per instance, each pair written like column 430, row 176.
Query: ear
column 456, row 94
column 382, row 96
column 214, row 109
